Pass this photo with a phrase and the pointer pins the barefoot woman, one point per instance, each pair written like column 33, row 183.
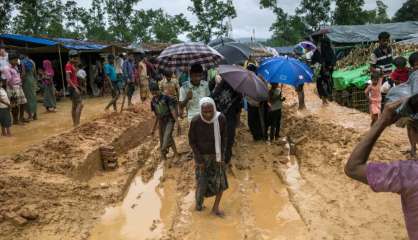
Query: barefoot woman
column 207, row 137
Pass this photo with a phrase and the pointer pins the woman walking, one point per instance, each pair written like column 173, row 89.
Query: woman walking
column 30, row 86
column 208, row 138
column 50, row 102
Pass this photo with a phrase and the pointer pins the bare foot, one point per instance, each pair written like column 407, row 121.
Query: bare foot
column 200, row 208
column 218, row 213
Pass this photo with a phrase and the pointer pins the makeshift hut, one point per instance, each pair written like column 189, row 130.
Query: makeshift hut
column 56, row 49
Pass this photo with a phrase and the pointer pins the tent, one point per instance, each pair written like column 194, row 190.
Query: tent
column 353, row 34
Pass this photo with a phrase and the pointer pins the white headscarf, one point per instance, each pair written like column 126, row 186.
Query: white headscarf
column 216, row 128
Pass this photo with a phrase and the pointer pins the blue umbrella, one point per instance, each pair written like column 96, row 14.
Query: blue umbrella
column 285, row 70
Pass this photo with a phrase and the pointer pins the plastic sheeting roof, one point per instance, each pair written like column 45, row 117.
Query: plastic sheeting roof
column 79, row 45
column 370, row 32
column 28, row 39
column 65, row 42
column 285, row 50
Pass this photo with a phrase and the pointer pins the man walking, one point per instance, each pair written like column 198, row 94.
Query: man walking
column 116, row 83
column 192, row 92
column 128, row 77
column 74, row 87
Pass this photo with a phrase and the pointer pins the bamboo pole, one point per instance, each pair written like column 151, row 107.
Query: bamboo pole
column 62, row 72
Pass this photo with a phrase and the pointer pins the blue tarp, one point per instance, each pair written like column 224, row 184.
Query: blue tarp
column 284, row 50
column 79, row 45
column 67, row 43
column 28, row 39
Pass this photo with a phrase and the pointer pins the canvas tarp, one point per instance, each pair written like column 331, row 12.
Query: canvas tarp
column 368, row 33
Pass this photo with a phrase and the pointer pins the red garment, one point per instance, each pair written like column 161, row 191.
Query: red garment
column 400, row 75
column 69, row 68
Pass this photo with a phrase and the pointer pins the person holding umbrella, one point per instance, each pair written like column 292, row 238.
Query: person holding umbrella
column 229, row 103
column 191, row 93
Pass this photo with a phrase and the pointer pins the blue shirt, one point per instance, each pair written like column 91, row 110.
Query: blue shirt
column 128, row 71
column 110, row 72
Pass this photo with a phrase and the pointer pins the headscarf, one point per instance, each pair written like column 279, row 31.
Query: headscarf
column 215, row 122
column 48, row 69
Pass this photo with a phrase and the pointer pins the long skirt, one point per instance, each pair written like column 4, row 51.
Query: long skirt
column 29, row 88
column 16, row 95
column 211, row 180
column 49, row 96
column 257, row 122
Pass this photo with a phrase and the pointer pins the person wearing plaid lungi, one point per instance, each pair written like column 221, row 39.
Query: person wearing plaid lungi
column 15, row 90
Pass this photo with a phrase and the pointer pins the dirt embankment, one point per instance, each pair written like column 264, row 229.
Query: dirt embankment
column 50, row 191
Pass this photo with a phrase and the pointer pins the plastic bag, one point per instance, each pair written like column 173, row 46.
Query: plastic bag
column 408, row 92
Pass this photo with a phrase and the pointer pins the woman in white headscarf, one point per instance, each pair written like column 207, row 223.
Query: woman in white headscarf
column 208, row 138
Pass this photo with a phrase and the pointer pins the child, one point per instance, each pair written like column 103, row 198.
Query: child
column 401, row 73
column 275, row 113
column 373, row 92
column 82, row 76
column 5, row 119
column 164, row 109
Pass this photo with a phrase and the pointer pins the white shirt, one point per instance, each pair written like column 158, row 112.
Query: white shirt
column 119, row 65
column 199, row 92
column 4, row 97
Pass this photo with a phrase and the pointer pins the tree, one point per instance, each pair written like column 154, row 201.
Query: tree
column 142, row 25
column 408, row 12
column 349, row 12
column 166, row 28
column 73, row 20
column 120, row 14
column 6, row 9
column 287, row 29
column 315, row 13
column 94, row 22
column 211, row 15
column 381, row 12
column 30, row 20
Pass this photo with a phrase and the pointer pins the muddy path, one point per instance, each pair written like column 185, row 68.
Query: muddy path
column 295, row 189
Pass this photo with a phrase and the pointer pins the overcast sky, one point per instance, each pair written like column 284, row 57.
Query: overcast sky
column 249, row 14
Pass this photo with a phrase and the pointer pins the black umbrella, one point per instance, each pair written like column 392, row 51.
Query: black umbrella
column 234, row 52
column 220, row 41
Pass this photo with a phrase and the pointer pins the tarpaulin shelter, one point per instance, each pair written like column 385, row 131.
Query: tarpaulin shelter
column 287, row 50
column 36, row 46
column 354, row 34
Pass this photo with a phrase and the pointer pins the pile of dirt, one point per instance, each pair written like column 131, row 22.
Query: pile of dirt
column 42, row 198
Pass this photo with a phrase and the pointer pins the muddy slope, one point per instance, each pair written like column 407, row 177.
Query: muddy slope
column 54, row 181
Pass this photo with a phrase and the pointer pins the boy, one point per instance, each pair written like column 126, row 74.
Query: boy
column 74, row 87
column 401, row 73
column 110, row 76
column 164, row 109
column 5, row 119
column 412, row 127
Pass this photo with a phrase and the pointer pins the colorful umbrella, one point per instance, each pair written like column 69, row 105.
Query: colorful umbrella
column 285, row 70
column 244, row 81
column 183, row 55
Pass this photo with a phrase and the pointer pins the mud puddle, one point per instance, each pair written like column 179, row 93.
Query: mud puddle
column 141, row 214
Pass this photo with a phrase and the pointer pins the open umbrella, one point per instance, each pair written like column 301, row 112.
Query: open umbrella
column 220, row 41
column 234, row 52
column 244, row 81
column 285, row 70
column 183, row 55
